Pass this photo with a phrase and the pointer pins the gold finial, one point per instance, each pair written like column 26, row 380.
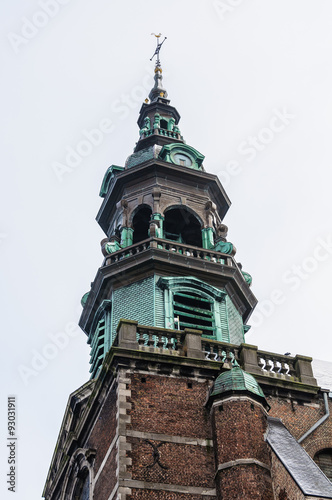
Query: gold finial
column 146, row 100
column 162, row 94
column 157, row 36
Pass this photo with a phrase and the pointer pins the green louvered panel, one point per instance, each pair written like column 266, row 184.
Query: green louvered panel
column 98, row 348
column 194, row 311
column 224, row 322
column 134, row 302
column 235, row 323
column 200, row 312
column 159, row 307
column 195, row 326
column 97, row 352
column 192, row 296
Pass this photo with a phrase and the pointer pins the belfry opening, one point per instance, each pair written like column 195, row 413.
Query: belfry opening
column 182, row 226
column 141, row 223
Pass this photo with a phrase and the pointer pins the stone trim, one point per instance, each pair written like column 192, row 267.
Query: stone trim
column 115, row 489
column 239, row 398
column 109, row 451
column 169, row 439
column 242, row 461
column 175, row 488
column 123, row 405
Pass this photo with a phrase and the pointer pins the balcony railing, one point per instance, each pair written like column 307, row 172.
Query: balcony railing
column 276, row 364
column 162, row 131
column 191, row 344
column 154, row 340
column 220, row 351
column 170, row 246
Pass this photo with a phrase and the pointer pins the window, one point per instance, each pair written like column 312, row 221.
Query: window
column 324, row 461
column 82, row 486
column 193, row 311
column 191, row 303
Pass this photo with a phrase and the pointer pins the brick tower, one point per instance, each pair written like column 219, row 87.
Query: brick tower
column 177, row 403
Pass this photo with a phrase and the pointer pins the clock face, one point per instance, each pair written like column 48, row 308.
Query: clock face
column 182, row 159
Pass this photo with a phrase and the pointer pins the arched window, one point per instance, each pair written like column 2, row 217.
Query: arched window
column 141, row 224
column 77, row 481
column 323, row 459
column 191, row 303
column 82, row 487
column 163, row 124
column 182, row 226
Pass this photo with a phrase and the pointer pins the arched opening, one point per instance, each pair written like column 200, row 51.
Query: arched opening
column 82, row 487
column 141, row 224
column 163, row 124
column 323, row 459
column 182, row 226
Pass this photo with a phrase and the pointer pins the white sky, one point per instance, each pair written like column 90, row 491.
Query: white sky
column 230, row 71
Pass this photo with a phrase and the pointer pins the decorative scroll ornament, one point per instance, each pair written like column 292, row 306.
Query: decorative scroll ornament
column 225, row 247
column 247, row 277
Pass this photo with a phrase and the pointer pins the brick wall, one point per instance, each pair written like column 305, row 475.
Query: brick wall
column 169, row 436
column 239, row 427
column 166, row 405
column 105, row 428
column 155, row 437
column 246, row 482
column 192, row 465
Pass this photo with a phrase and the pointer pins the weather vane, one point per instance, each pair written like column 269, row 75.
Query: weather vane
column 156, row 52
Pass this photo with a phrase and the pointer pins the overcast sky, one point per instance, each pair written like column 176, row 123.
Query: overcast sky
column 252, row 81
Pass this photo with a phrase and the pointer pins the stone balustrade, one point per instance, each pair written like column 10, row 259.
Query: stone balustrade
column 161, row 131
column 170, row 246
column 191, row 344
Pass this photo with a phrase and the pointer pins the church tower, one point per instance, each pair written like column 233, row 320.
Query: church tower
column 167, row 261
column 176, row 405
